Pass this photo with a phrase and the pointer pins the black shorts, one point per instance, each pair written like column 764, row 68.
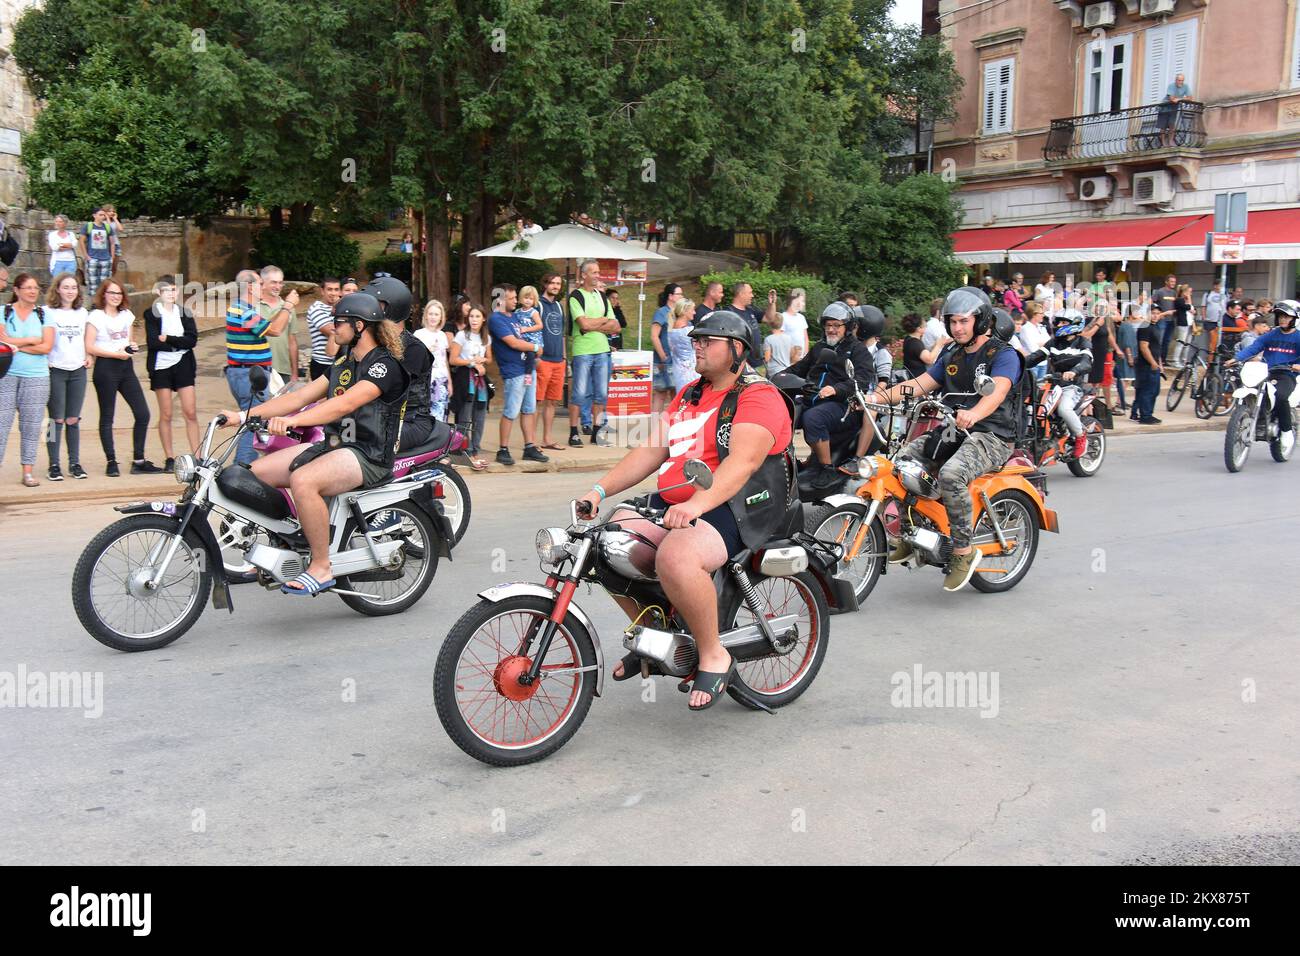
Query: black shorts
column 372, row 474
column 722, row 520
column 180, row 375
column 319, row 369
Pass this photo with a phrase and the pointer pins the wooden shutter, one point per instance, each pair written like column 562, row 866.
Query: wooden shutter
column 999, row 96
column 1153, row 76
column 1182, row 54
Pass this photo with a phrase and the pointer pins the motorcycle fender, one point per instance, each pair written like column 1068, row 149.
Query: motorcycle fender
column 423, row 497
column 1046, row 516
column 1242, row 392
column 838, row 501
column 839, row 592
column 503, row 591
column 220, row 589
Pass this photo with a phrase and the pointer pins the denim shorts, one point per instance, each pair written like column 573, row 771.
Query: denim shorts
column 591, row 379
column 518, row 397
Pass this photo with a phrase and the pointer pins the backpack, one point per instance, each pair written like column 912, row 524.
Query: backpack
column 8, row 245
column 573, row 323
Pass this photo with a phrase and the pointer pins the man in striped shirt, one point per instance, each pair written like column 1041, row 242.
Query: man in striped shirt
column 247, row 348
column 320, row 323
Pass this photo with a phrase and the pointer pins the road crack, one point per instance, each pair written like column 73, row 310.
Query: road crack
column 997, row 812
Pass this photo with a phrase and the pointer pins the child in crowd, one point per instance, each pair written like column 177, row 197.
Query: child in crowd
column 528, row 324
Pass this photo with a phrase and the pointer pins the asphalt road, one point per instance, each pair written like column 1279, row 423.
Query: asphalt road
column 1146, row 711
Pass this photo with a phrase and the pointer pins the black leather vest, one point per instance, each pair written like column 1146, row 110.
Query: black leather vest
column 959, row 371
column 418, row 362
column 768, row 503
column 375, row 428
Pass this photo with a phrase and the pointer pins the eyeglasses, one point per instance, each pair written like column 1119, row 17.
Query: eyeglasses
column 108, row 292
column 702, row 341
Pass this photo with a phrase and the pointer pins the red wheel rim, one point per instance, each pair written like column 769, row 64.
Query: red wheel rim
column 495, row 707
column 777, row 673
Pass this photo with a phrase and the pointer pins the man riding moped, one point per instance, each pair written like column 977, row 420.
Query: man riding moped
column 361, row 405
column 739, row 424
column 985, row 425
column 1281, row 348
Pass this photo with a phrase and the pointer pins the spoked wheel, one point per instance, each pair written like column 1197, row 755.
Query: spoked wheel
column 779, row 679
column 1209, row 395
column 1090, row 463
column 482, row 705
column 111, row 584
column 1177, row 387
column 1281, row 446
column 1239, row 436
column 841, row 526
column 1018, row 517
column 393, row 590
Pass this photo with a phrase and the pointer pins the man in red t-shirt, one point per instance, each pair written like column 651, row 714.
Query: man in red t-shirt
column 688, row 428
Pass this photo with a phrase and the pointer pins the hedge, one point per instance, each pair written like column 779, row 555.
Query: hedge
column 306, row 252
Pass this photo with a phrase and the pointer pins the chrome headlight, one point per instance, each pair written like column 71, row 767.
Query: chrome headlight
column 552, row 545
column 186, row 469
column 867, row 466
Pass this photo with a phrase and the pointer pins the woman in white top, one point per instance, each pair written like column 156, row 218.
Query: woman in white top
column 68, row 364
column 171, row 333
column 63, row 247
column 1045, row 293
column 108, row 340
column 438, row 342
column 793, row 322
column 1034, row 335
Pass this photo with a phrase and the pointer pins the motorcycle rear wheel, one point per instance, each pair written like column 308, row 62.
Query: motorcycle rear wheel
column 475, row 694
column 1091, row 462
column 1018, row 517
column 99, row 585
column 418, row 569
column 780, row 679
column 1281, row 448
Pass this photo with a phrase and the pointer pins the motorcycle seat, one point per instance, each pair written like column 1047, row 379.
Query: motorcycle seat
column 439, row 440
column 1019, row 459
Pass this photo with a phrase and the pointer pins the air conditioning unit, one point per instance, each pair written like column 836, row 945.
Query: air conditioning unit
column 1099, row 15
column 1096, row 188
column 1157, row 8
column 1153, row 188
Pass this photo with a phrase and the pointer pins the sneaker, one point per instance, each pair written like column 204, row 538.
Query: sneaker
column 601, row 438
column 902, row 551
column 826, row 478
column 533, row 453
column 112, row 470
column 1149, row 420
column 504, row 457
column 961, row 568
column 76, row 471
column 145, row 467
column 575, row 440
column 55, row 473
column 1081, row 447
column 586, row 429
column 385, row 521
column 849, row 467
column 169, row 464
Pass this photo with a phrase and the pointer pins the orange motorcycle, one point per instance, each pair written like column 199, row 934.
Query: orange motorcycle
column 898, row 497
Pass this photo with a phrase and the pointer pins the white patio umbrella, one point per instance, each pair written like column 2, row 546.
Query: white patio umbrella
column 572, row 241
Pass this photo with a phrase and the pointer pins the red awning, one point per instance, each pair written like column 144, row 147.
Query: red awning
column 1100, row 240
column 990, row 245
column 1272, row 234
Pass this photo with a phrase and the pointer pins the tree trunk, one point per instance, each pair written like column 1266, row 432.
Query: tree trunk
column 300, row 214
column 437, row 255
column 479, row 229
column 277, row 217
column 487, row 224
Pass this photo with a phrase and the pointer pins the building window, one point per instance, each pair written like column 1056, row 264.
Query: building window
column 1170, row 51
column 999, row 95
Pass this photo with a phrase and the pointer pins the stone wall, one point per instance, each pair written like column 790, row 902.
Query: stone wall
column 17, row 107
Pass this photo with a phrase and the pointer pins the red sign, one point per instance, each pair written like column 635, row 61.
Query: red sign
column 1227, row 247
column 630, row 383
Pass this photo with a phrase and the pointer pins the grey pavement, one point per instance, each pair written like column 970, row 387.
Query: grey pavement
column 1146, row 710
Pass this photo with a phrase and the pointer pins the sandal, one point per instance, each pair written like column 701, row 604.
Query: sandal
column 29, row 481
column 712, row 683
column 552, row 446
column 309, row 585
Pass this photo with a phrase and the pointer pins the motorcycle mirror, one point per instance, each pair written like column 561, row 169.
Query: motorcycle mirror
column 698, row 473
column 257, row 378
column 848, row 367
column 984, row 385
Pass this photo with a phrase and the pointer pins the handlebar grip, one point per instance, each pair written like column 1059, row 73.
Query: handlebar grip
column 583, row 508
column 221, row 420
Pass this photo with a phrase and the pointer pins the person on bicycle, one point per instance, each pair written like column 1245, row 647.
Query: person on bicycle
column 1069, row 357
column 360, row 404
column 1281, row 349
column 740, row 425
column 985, row 425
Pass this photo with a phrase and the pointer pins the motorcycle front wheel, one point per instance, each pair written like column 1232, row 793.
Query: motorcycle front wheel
column 780, row 679
column 482, row 706
column 1239, row 436
column 841, row 526
column 109, row 585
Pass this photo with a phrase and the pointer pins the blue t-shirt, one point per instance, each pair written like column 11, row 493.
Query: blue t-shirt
column 1279, row 348
column 552, row 331
column 661, row 317
column 1005, row 365
column 509, row 361
column 25, row 365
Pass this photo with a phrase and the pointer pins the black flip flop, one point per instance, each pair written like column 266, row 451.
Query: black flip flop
column 713, row 683
column 631, row 667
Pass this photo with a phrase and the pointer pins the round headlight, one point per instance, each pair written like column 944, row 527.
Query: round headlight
column 552, row 545
column 866, row 466
column 186, row 468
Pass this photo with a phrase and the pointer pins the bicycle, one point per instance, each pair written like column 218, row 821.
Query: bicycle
column 1185, row 375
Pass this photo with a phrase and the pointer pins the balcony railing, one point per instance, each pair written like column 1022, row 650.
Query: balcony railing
column 1142, row 129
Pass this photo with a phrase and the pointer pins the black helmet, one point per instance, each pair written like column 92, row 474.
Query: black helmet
column 361, row 306
column 392, row 294
column 870, row 321
column 1286, row 308
column 6, row 358
column 839, row 312
column 969, row 299
column 725, row 324
column 1004, row 326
